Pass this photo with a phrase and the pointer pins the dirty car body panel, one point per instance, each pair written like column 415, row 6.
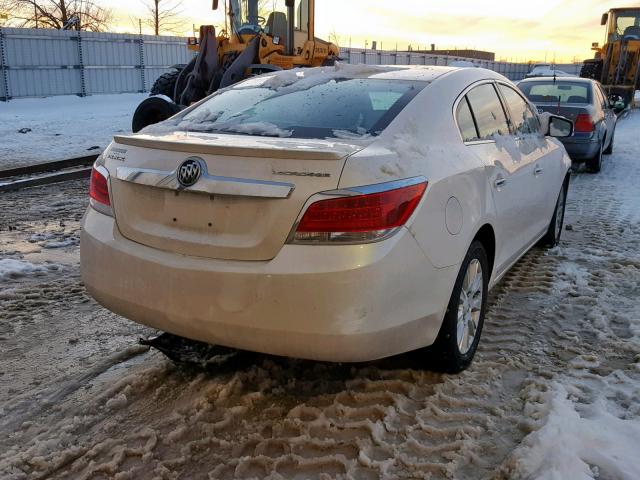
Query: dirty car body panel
column 229, row 259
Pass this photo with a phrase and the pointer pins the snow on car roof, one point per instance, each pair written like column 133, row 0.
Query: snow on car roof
column 284, row 78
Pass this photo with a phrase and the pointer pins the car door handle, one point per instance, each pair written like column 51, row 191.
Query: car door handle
column 538, row 171
column 500, row 182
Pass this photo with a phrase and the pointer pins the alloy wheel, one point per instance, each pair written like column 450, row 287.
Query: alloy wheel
column 469, row 306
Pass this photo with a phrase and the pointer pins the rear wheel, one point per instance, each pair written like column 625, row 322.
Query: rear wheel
column 460, row 332
column 552, row 237
column 594, row 164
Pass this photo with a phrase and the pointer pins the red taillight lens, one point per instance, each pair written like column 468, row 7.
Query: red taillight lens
column 374, row 212
column 99, row 188
column 583, row 123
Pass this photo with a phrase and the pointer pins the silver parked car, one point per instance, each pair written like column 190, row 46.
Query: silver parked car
column 582, row 100
column 341, row 213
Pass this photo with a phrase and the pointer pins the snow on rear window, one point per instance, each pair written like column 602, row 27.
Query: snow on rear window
column 314, row 107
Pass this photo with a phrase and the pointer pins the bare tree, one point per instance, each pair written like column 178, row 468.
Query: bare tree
column 165, row 16
column 58, row 14
column 4, row 12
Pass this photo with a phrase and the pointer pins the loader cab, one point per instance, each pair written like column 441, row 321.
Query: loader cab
column 622, row 24
column 280, row 19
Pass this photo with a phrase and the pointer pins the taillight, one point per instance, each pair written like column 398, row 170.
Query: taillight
column 99, row 188
column 583, row 123
column 359, row 218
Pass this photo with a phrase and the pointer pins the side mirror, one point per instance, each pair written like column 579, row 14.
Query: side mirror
column 560, row 127
column 617, row 103
column 603, row 20
column 619, row 106
column 215, row 4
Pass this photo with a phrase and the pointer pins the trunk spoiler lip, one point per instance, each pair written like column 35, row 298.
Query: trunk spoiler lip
column 264, row 148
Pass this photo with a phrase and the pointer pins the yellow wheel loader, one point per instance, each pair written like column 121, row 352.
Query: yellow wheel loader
column 617, row 63
column 262, row 36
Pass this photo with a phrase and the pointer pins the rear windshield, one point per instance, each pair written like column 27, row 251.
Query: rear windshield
column 556, row 92
column 310, row 108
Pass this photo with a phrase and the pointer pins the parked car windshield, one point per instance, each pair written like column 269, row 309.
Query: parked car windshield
column 309, row 108
column 556, row 92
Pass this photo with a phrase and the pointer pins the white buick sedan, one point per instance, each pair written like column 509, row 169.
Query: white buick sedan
column 341, row 213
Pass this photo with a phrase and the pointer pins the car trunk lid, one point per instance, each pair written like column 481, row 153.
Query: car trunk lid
column 243, row 206
column 568, row 111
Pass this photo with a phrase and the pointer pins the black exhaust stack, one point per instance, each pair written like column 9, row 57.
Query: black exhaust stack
column 290, row 30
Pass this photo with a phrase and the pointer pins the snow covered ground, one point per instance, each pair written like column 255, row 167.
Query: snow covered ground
column 62, row 127
column 554, row 392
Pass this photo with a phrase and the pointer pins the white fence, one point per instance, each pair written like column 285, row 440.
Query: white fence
column 39, row 62
column 513, row 71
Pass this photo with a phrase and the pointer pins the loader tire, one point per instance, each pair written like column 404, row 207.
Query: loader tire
column 591, row 68
column 152, row 110
column 165, row 84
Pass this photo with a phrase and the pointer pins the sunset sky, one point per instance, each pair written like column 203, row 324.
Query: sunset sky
column 515, row 29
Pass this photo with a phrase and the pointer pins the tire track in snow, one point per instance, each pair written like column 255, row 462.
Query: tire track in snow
column 564, row 315
column 279, row 417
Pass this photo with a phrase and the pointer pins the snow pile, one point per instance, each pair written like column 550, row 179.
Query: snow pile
column 582, row 441
column 62, row 127
column 11, row 268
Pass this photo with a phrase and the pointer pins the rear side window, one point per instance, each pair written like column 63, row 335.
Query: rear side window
column 465, row 121
column 556, row 92
column 314, row 107
column 600, row 97
column 523, row 119
column 488, row 112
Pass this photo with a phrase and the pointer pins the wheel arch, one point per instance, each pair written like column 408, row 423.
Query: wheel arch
column 487, row 237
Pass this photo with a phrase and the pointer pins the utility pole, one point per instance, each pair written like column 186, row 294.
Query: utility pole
column 80, row 17
column 35, row 11
column 140, row 25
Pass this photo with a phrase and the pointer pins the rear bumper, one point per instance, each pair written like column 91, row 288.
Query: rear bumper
column 580, row 149
column 334, row 303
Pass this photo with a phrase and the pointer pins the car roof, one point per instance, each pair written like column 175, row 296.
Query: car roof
column 422, row 73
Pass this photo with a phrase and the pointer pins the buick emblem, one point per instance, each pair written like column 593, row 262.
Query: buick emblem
column 189, row 172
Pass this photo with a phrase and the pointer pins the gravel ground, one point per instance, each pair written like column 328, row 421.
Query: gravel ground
column 554, row 387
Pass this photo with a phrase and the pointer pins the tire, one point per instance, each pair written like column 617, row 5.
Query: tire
column 594, row 164
column 165, row 84
column 609, row 149
column 552, row 237
column 451, row 353
column 591, row 68
column 152, row 110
